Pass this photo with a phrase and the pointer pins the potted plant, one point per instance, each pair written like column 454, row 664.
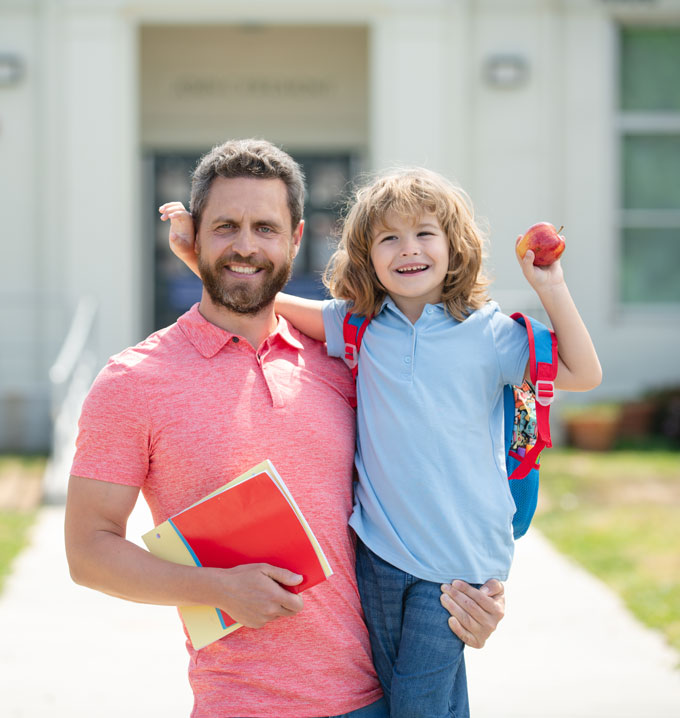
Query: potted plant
column 593, row 427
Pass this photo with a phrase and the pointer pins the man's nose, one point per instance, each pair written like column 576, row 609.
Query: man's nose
column 245, row 242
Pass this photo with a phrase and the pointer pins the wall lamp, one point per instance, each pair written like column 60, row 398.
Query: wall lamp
column 11, row 70
column 506, row 72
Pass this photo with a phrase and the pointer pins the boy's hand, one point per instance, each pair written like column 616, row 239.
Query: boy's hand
column 182, row 235
column 539, row 277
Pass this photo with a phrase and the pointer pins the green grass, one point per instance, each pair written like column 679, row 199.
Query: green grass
column 15, row 525
column 618, row 514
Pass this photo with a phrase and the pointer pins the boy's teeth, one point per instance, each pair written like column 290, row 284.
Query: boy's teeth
column 242, row 270
column 403, row 270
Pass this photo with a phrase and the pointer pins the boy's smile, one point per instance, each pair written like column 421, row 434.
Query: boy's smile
column 411, row 258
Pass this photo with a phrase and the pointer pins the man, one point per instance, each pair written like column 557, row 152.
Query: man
column 196, row 404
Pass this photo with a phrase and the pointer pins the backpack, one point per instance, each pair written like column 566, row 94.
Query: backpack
column 526, row 410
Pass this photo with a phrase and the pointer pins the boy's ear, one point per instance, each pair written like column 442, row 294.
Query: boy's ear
column 297, row 236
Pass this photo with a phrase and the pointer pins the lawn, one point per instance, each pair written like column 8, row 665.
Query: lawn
column 618, row 514
column 18, row 477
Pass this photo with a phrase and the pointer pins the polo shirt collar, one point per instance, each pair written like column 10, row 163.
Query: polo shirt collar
column 389, row 302
column 209, row 339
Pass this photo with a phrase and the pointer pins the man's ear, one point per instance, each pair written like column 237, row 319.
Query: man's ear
column 297, row 236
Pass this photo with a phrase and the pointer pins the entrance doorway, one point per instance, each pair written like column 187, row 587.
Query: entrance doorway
column 176, row 288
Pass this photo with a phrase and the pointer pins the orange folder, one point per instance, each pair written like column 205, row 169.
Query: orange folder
column 252, row 519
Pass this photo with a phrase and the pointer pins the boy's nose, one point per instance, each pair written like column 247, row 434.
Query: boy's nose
column 410, row 247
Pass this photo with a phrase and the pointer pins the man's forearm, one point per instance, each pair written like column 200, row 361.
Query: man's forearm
column 113, row 565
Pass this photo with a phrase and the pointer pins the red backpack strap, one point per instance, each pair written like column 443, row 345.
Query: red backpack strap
column 353, row 329
column 542, row 371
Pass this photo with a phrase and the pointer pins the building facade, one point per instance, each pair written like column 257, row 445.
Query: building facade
column 566, row 111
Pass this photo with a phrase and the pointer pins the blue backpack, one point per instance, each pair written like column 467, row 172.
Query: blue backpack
column 527, row 410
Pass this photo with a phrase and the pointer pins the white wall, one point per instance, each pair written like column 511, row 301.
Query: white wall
column 73, row 129
column 23, row 302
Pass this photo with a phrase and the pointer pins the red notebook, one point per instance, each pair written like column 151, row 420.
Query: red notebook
column 253, row 519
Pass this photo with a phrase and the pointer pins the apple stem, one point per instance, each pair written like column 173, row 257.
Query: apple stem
column 560, row 229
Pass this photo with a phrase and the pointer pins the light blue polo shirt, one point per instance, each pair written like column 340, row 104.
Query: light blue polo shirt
column 433, row 497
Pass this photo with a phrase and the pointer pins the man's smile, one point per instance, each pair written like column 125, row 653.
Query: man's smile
column 243, row 269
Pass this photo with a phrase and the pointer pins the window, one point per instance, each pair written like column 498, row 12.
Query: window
column 649, row 124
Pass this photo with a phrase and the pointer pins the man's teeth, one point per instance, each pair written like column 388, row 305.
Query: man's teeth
column 242, row 270
column 406, row 270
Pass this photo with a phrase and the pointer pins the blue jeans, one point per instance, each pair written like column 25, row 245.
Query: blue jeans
column 374, row 710
column 418, row 659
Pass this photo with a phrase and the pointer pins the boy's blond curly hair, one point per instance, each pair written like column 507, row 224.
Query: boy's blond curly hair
column 410, row 193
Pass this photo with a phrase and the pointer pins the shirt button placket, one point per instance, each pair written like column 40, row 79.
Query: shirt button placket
column 408, row 358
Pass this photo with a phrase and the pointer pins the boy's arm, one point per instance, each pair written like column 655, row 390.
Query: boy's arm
column 578, row 366
column 182, row 234
column 306, row 315
column 100, row 557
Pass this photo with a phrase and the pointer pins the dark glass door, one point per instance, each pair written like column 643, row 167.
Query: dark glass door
column 176, row 288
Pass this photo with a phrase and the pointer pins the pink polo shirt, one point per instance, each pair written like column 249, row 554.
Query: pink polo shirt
column 193, row 406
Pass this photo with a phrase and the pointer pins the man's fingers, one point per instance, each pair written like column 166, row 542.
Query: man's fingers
column 282, row 575
column 470, row 600
column 290, row 602
column 493, row 588
column 455, row 604
column 468, row 638
column 476, row 612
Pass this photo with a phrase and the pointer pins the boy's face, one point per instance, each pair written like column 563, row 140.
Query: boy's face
column 411, row 258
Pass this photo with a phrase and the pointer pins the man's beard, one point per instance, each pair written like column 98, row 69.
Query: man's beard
column 240, row 296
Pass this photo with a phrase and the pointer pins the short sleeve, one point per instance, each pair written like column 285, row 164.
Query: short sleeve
column 334, row 311
column 113, row 430
column 512, row 347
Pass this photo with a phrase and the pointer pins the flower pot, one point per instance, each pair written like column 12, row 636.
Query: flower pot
column 593, row 430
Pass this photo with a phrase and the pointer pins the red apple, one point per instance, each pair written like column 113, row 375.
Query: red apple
column 544, row 241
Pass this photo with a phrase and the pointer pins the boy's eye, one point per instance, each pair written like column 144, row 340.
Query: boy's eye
column 388, row 238
column 425, row 233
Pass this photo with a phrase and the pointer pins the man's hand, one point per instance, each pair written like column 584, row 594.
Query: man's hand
column 100, row 556
column 475, row 613
column 182, row 233
column 253, row 594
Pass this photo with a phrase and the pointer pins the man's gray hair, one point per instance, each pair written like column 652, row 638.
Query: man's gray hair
column 248, row 158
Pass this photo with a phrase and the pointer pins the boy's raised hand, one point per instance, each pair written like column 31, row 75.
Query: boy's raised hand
column 539, row 278
column 182, row 234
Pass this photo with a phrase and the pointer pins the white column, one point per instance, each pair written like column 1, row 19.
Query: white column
column 100, row 170
column 411, row 79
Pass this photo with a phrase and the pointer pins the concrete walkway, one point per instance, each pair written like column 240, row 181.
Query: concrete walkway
column 567, row 648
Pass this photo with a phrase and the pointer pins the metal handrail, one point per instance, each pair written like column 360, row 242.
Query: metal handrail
column 75, row 341
column 70, row 377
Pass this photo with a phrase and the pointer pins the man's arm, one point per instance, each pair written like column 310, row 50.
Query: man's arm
column 100, row 557
column 475, row 613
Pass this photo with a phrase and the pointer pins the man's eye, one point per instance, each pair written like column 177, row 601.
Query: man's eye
column 265, row 230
